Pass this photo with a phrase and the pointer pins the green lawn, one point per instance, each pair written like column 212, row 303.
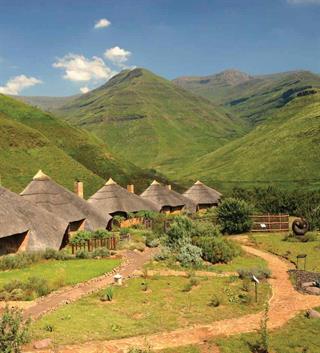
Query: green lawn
column 67, row 272
column 275, row 244
column 134, row 311
column 245, row 261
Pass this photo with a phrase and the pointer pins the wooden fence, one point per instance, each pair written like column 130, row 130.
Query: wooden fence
column 260, row 223
column 270, row 223
column 92, row 244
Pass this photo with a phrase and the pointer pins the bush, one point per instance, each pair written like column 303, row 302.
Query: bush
column 180, row 231
column 193, row 282
column 28, row 290
column 13, row 331
column 100, row 253
column 189, row 255
column 102, row 234
column 214, row 301
column 217, row 249
column 81, row 237
column 308, row 237
column 83, row 254
column 234, row 216
column 259, row 273
column 163, row 255
column 108, row 295
column 205, row 229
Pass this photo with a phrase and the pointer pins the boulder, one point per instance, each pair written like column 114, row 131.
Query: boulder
column 42, row 344
column 313, row 290
column 313, row 314
column 307, row 284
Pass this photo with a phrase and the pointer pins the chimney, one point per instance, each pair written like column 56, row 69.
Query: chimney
column 169, row 187
column 78, row 188
column 130, row 188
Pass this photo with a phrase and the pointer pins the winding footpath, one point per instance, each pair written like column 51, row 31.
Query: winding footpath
column 285, row 303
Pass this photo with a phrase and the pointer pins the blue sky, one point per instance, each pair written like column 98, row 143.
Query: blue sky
column 60, row 47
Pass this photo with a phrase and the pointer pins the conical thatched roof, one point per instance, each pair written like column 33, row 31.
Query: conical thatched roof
column 112, row 198
column 162, row 196
column 18, row 215
column 202, row 194
column 44, row 192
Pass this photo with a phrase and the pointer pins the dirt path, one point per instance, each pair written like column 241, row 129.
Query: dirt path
column 131, row 262
column 285, row 303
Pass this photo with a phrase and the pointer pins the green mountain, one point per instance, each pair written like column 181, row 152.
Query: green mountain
column 151, row 122
column 253, row 98
column 31, row 139
column 283, row 150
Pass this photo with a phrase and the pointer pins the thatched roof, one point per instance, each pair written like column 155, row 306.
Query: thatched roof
column 163, row 196
column 18, row 215
column 46, row 193
column 201, row 194
column 112, row 198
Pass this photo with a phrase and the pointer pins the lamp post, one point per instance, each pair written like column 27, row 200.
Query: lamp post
column 256, row 282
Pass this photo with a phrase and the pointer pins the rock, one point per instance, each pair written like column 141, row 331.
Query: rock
column 313, row 314
column 42, row 344
column 313, row 290
column 307, row 284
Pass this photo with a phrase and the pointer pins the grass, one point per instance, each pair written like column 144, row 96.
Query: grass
column 244, row 261
column 68, row 272
column 260, row 158
column 139, row 309
column 300, row 335
column 31, row 139
column 136, row 109
column 275, row 244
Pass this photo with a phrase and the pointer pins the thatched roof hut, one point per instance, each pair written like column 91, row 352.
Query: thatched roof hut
column 44, row 192
column 114, row 199
column 168, row 200
column 203, row 196
column 25, row 226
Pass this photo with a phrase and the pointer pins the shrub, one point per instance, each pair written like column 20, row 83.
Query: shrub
column 205, row 229
column 124, row 231
column 83, row 254
column 108, row 295
column 189, row 255
column 13, row 331
column 262, row 343
column 102, row 234
column 164, row 254
column 180, row 231
column 217, row 249
column 308, row 237
column 100, row 253
column 234, row 216
column 81, row 237
column 214, row 301
column 193, row 282
column 259, row 273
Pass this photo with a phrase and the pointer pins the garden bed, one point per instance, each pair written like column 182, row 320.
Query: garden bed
column 144, row 306
column 300, row 277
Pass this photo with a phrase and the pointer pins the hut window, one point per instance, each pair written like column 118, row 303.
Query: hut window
column 14, row 243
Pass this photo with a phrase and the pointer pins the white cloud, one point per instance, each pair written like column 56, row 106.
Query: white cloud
column 16, row 84
column 81, row 69
column 84, row 89
column 303, row 2
column 102, row 23
column 117, row 56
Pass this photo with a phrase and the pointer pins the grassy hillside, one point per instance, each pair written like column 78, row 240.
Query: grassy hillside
column 151, row 122
column 254, row 98
column 284, row 150
column 62, row 151
column 24, row 150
